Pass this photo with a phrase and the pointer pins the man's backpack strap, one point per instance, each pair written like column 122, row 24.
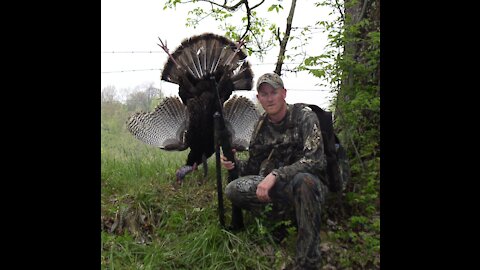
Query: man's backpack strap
column 325, row 120
column 259, row 126
column 326, row 126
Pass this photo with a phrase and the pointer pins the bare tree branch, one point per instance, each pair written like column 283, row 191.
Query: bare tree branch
column 249, row 14
column 224, row 6
column 257, row 5
column 339, row 7
column 230, row 8
column 277, row 34
column 283, row 44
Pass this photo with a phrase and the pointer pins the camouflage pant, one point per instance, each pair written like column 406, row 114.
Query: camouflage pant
column 300, row 198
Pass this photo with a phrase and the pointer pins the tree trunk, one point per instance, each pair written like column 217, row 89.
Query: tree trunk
column 369, row 9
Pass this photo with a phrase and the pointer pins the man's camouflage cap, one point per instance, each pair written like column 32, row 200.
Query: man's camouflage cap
column 271, row 78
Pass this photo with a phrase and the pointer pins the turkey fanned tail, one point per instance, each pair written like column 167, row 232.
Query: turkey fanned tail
column 200, row 57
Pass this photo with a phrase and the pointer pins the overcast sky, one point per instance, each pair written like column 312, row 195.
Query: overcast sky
column 135, row 25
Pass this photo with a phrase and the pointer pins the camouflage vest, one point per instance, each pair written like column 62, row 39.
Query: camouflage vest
column 289, row 148
column 288, row 145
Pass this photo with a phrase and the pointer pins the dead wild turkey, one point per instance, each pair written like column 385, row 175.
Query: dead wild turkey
column 200, row 65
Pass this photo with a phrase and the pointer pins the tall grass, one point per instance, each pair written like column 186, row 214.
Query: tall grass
column 147, row 223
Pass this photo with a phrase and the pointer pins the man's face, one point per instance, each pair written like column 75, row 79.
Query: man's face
column 272, row 100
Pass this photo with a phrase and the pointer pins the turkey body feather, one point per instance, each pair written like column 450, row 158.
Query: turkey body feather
column 165, row 127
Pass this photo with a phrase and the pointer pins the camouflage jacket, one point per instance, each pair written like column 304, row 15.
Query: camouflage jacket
column 294, row 145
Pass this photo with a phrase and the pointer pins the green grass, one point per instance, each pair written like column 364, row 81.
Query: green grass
column 149, row 224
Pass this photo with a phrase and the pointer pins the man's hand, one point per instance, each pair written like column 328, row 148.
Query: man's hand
column 227, row 164
column 264, row 186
